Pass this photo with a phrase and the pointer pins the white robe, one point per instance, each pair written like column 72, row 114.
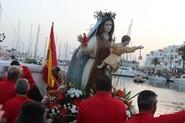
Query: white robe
column 91, row 50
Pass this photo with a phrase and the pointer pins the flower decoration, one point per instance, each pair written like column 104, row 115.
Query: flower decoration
column 62, row 104
column 125, row 96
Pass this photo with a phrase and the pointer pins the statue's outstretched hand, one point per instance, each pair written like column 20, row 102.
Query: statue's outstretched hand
column 79, row 38
column 140, row 47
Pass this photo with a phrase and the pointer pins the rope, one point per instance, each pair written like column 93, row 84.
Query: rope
column 133, row 96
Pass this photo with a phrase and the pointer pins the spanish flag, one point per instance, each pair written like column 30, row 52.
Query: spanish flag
column 51, row 60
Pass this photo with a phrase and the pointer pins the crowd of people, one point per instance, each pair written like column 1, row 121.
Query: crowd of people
column 90, row 69
column 20, row 98
column 16, row 88
column 101, row 107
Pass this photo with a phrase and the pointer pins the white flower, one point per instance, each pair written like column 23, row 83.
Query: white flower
column 72, row 95
column 49, row 121
column 74, row 92
column 53, row 110
column 44, row 100
column 73, row 108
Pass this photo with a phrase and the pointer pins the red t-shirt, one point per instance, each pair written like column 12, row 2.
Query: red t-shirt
column 144, row 117
column 12, row 108
column 7, row 90
column 101, row 108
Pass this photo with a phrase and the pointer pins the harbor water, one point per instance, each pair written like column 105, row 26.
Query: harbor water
column 171, row 97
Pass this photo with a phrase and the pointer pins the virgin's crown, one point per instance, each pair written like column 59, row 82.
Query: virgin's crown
column 100, row 15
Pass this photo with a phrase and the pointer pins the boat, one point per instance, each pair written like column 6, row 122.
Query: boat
column 180, row 80
column 160, row 79
column 139, row 78
column 126, row 72
column 156, row 79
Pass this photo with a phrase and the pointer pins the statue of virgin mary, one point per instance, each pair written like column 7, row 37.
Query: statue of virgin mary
column 83, row 69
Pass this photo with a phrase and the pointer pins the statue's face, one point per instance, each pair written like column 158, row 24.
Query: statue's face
column 125, row 43
column 108, row 26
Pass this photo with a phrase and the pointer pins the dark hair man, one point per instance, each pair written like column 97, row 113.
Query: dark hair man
column 102, row 107
column 147, row 104
column 31, row 112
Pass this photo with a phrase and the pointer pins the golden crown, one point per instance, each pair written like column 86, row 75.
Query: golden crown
column 100, row 15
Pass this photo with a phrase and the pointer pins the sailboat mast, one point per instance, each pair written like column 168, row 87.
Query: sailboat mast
column 13, row 40
column 18, row 36
column 129, row 28
column 45, row 50
column 59, row 50
column 36, row 43
column 66, row 52
column 129, row 33
column 29, row 42
column 0, row 10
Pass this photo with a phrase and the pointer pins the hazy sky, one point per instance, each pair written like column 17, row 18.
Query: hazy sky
column 156, row 23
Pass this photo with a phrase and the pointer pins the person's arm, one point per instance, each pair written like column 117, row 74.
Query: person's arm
column 90, row 45
column 132, row 49
column 27, row 74
column 1, row 113
column 178, row 117
column 3, row 120
column 7, row 110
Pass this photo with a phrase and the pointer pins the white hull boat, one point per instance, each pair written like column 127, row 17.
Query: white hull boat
column 139, row 78
column 126, row 72
column 156, row 79
column 180, row 80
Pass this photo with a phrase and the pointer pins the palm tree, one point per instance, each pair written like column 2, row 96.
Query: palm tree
column 181, row 52
column 155, row 61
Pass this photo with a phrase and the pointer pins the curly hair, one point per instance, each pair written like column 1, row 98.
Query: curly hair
column 125, row 38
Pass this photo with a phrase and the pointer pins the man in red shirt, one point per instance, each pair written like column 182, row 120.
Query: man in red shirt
column 7, row 87
column 25, row 73
column 34, row 92
column 102, row 107
column 147, row 104
column 32, row 112
column 12, row 106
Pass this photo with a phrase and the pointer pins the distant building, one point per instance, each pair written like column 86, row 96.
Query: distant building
column 168, row 58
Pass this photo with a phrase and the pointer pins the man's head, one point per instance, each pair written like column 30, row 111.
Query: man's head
column 147, row 101
column 22, row 86
column 31, row 112
column 103, row 83
column 15, row 62
column 14, row 73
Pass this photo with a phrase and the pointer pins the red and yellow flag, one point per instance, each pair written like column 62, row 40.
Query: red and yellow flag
column 51, row 60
